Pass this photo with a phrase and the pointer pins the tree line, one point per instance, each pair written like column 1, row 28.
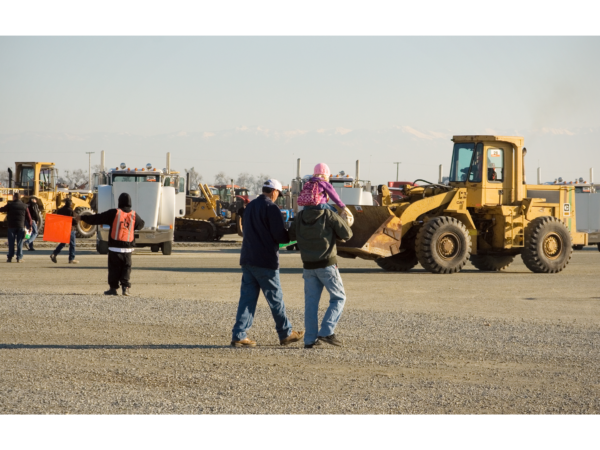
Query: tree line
column 252, row 182
column 78, row 179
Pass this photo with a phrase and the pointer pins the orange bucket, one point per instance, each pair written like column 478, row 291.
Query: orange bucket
column 58, row 228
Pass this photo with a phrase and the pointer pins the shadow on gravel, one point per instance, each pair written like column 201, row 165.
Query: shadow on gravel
column 109, row 347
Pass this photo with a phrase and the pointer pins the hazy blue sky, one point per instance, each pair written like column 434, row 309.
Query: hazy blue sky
column 256, row 104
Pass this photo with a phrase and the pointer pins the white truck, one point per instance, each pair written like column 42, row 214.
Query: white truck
column 158, row 196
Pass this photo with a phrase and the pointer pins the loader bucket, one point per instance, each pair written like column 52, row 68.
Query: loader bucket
column 376, row 233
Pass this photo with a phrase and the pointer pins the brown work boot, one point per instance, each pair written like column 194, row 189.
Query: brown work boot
column 125, row 291
column 243, row 343
column 294, row 336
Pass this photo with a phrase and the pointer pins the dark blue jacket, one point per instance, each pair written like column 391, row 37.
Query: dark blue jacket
column 264, row 230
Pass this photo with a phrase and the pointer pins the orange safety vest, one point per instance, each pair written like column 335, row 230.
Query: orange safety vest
column 123, row 226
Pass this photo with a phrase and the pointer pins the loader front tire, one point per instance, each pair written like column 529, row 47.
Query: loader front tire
column 402, row 262
column 491, row 263
column 443, row 245
column 548, row 245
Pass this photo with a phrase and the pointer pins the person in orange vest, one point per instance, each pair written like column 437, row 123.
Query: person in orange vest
column 121, row 241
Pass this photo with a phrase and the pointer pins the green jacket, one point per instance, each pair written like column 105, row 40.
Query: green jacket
column 316, row 232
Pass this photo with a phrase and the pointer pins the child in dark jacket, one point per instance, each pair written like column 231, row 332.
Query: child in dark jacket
column 121, row 241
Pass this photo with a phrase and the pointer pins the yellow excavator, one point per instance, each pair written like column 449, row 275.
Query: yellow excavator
column 205, row 219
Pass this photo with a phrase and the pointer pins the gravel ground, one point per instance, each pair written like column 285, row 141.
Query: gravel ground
column 72, row 352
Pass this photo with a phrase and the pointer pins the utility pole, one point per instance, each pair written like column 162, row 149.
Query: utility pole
column 90, row 170
column 397, row 169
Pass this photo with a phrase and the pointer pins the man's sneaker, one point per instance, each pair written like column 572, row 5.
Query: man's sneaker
column 317, row 343
column 331, row 340
column 8, row 260
column 111, row 292
column 294, row 336
column 53, row 258
column 73, row 261
column 31, row 249
column 243, row 343
column 126, row 291
column 26, row 245
column 19, row 260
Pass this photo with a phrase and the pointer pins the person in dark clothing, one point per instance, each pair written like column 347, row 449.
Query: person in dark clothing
column 18, row 217
column 34, row 211
column 316, row 231
column 67, row 210
column 264, row 230
column 121, row 241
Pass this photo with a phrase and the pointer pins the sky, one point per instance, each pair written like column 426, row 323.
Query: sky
column 257, row 104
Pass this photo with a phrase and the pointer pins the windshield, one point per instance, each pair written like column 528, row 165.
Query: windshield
column 461, row 161
column 27, row 177
column 135, row 178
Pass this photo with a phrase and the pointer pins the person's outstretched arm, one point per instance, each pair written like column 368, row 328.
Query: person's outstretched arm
column 105, row 218
column 330, row 190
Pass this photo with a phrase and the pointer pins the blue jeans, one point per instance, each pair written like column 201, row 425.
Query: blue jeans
column 314, row 282
column 34, row 233
column 15, row 234
column 255, row 279
column 71, row 247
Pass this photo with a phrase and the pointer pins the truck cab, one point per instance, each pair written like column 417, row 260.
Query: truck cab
column 157, row 196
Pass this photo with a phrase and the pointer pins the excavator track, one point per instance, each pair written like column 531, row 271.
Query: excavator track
column 195, row 230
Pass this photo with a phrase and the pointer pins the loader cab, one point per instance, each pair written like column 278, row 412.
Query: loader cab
column 35, row 177
column 484, row 165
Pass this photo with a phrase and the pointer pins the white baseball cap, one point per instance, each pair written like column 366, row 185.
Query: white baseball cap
column 273, row 184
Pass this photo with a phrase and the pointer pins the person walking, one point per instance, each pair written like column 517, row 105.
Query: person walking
column 34, row 211
column 18, row 218
column 316, row 230
column 67, row 210
column 123, row 222
column 264, row 230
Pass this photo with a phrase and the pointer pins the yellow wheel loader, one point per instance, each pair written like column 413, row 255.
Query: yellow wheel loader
column 38, row 179
column 487, row 214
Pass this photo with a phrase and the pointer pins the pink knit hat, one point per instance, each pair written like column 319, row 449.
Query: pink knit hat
column 322, row 169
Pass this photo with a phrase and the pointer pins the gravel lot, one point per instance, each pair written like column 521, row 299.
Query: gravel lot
column 416, row 343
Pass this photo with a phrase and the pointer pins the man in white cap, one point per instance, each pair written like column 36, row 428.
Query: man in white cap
column 264, row 230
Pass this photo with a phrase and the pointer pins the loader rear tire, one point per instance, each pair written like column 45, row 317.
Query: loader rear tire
column 443, row 245
column 548, row 245
column 402, row 262
column 491, row 263
column 41, row 224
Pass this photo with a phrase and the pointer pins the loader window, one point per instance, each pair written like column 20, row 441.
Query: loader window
column 476, row 165
column 27, row 177
column 461, row 161
column 495, row 162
